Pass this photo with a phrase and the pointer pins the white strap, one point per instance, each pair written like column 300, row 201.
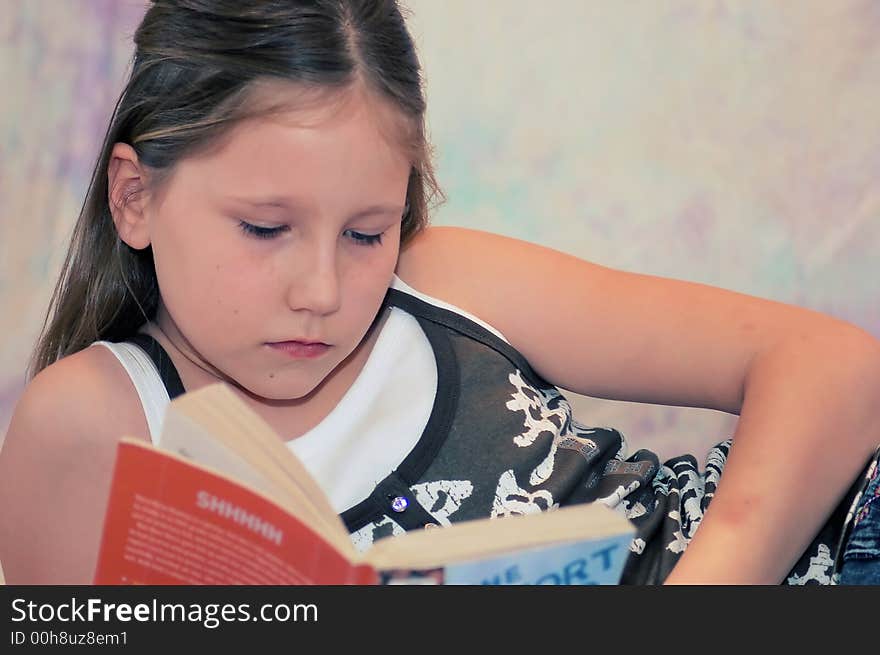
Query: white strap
column 147, row 381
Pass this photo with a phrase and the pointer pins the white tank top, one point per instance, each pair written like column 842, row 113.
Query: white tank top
column 373, row 427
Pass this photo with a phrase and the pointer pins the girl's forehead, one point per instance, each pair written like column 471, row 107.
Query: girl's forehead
column 332, row 153
column 287, row 117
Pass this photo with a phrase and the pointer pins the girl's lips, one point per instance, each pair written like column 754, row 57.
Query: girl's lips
column 300, row 349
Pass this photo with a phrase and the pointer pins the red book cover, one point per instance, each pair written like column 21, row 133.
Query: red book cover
column 170, row 522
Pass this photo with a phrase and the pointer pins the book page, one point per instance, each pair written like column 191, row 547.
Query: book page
column 215, row 411
column 192, row 441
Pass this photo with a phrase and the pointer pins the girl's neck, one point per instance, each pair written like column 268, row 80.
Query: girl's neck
column 290, row 418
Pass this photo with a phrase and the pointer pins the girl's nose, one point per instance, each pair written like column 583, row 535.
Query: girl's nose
column 315, row 287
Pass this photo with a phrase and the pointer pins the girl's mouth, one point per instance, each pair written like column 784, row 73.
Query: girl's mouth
column 301, row 349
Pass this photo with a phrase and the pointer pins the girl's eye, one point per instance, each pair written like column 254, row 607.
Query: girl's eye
column 262, row 232
column 365, row 239
column 271, row 232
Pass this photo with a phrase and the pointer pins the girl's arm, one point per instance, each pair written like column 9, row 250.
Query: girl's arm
column 56, row 464
column 804, row 384
column 808, row 423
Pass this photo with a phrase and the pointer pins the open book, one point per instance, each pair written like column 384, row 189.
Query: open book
column 224, row 501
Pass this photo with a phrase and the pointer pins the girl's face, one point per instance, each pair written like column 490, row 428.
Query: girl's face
column 285, row 232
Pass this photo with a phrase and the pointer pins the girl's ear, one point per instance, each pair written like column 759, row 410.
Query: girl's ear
column 127, row 197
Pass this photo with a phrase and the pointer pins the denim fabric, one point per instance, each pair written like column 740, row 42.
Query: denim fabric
column 861, row 554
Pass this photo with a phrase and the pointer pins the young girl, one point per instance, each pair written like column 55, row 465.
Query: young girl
column 258, row 215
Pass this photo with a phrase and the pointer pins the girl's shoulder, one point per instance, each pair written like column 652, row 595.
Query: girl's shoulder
column 87, row 396
column 482, row 272
column 495, row 278
column 445, row 262
column 56, row 466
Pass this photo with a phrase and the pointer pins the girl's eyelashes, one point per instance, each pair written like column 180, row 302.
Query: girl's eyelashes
column 365, row 239
column 261, row 232
column 271, row 232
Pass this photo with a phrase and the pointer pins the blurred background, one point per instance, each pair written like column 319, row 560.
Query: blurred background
column 729, row 143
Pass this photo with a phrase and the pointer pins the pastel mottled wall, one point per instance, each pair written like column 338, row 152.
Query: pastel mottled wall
column 62, row 63
column 734, row 144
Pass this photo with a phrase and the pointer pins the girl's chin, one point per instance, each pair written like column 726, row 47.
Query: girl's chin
column 278, row 389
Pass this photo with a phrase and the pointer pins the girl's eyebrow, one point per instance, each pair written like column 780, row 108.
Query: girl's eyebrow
column 290, row 203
